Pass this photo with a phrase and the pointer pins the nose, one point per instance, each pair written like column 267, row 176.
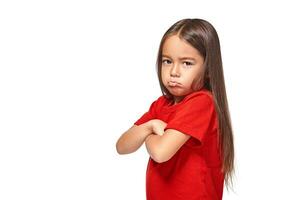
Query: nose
column 175, row 71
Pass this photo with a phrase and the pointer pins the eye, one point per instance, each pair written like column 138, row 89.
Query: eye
column 163, row 61
column 188, row 63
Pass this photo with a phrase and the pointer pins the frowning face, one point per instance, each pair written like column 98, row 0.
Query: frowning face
column 181, row 64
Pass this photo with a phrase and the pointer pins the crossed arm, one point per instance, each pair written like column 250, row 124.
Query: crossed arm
column 160, row 147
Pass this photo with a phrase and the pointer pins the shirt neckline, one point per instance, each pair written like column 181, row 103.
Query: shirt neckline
column 168, row 107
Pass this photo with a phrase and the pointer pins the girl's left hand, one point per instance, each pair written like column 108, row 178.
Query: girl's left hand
column 158, row 126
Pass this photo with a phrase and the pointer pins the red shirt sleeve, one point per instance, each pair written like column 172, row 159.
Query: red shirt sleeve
column 193, row 117
column 150, row 114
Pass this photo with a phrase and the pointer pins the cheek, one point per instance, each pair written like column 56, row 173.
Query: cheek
column 164, row 72
column 163, row 75
column 190, row 78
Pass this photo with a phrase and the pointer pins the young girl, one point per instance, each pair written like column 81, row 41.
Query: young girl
column 187, row 131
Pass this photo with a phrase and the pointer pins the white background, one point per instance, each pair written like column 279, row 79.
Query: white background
column 75, row 75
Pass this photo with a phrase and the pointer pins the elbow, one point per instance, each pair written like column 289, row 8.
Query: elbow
column 122, row 149
column 156, row 151
column 157, row 160
column 119, row 149
column 159, row 157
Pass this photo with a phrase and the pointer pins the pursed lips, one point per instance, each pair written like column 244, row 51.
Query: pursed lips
column 172, row 83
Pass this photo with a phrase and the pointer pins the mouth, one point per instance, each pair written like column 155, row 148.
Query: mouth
column 173, row 84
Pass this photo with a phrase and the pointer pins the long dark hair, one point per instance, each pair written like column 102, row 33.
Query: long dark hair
column 202, row 36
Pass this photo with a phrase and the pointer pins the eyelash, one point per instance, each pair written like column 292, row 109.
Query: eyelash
column 184, row 62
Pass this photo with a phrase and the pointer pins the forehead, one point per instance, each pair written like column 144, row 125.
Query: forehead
column 176, row 48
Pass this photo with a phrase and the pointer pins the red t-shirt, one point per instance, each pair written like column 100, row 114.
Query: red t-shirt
column 194, row 172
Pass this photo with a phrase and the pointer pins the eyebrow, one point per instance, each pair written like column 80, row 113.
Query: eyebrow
column 181, row 58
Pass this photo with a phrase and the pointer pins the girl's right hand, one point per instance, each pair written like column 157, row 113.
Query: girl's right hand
column 158, row 126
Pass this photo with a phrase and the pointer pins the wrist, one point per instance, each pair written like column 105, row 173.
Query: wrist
column 148, row 126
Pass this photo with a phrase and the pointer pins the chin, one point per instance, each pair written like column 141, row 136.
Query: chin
column 176, row 92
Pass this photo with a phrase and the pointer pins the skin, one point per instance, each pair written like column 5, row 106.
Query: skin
column 176, row 68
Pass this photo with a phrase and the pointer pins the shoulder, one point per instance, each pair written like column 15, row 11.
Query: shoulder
column 199, row 97
column 161, row 100
column 156, row 103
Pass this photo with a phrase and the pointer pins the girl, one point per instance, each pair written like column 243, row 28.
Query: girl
column 187, row 131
